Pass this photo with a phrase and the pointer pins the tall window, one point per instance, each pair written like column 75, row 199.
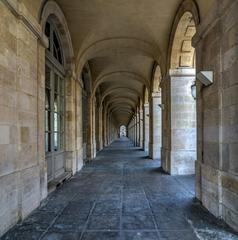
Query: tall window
column 54, row 98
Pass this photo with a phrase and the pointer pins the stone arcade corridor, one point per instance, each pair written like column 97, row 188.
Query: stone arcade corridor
column 75, row 76
column 122, row 196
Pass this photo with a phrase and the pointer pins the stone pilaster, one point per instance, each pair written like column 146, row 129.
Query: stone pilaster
column 182, row 154
column 146, row 128
column 155, row 126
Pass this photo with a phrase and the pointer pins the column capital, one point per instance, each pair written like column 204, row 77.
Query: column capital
column 156, row 95
column 181, row 72
column 146, row 105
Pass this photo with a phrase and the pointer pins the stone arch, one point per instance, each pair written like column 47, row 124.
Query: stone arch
column 108, row 77
column 179, row 115
column 115, row 89
column 51, row 10
column 118, row 101
column 134, row 45
column 181, row 52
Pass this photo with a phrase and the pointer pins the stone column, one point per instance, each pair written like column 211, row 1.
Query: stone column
column 146, row 128
column 90, row 141
column 70, row 125
column 155, row 126
column 105, row 126
column 182, row 154
column 141, row 128
column 41, row 123
column 135, row 130
column 79, row 125
column 108, row 129
column 94, row 128
column 138, row 127
column 100, row 127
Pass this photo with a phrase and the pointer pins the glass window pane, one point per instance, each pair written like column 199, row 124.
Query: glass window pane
column 57, row 49
column 47, row 142
column 47, row 77
column 47, row 99
column 56, row 103
column 47, row 121
column 56, row 122
column 47, row 33
column 56, row 141
column 56, row 83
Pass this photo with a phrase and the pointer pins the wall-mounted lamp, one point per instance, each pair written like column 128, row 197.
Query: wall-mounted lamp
column 161, row 106
column 194, row 91
column 205, row 77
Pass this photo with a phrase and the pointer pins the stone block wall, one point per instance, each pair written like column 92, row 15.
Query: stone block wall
column 216, row 45
column 22, row 180
column 23, row 170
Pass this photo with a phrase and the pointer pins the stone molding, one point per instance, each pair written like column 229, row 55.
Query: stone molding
column 181, row 72
column 155, row 95
column 18, row 10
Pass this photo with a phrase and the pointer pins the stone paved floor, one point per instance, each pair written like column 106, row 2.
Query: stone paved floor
column 122, row 195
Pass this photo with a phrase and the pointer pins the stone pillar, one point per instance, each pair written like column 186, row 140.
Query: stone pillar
column 141, row 127
column 182, row 153
column 108, row 129
column 138, row 128
column 94, row 128
column 90, row 140
column 105, row 126
column 135, row 130
column 70, row 125
column 73, row 144
column 79, row 125
column 155, row 126
column 100, row 128
column 146, row 128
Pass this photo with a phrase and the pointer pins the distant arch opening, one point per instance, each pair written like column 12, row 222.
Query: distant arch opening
column 123, row 131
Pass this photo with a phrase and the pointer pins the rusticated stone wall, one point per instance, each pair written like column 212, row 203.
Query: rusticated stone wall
column 216, row 45
column 22, row 167
column 23, row 170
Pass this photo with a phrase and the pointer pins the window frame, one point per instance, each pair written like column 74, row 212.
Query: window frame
column 56, row 69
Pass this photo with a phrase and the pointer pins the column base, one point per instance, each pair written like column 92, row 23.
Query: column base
column 182, row 162
column 154, row 151
column 146, row 147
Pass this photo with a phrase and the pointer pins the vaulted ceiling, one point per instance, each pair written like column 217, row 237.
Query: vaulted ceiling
column 122, row 40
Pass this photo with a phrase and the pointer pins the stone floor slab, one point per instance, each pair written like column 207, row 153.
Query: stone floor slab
column 122, row 195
